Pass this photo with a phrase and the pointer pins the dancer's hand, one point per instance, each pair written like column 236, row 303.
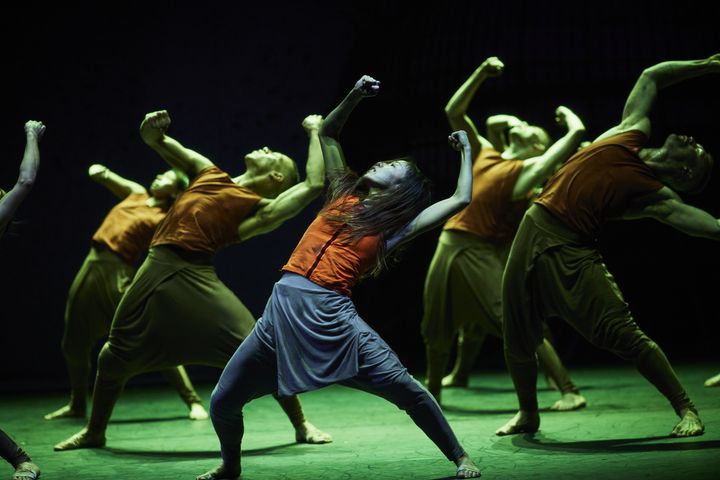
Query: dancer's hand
column 97, row 171
column 367, row 86
column 567, row 118
column 35, row 129
column 459, row 140
column 492, row 67
column 312, row 123
column 154, row 125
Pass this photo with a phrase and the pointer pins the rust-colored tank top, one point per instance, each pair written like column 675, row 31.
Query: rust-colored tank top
column 325, row 258
column 129, row 226
column 205, row 217
column 492, row 213
column 599, row 182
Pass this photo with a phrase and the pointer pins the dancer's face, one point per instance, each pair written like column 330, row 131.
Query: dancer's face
column 264, row 160
column 684, row 148
column 165, row 185
column 386, row 174
column 528, row 136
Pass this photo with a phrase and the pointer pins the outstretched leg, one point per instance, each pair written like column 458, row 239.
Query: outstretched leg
column 468, row 349
column 382, row 374
column 112, row 374
column 250, row 373
column 550, row 362
column 178, row 378
column 524, row 377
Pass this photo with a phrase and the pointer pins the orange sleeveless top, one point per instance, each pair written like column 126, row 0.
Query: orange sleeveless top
column 205, row 217
column 129, row 226
column 492, row 213
column 325, row 257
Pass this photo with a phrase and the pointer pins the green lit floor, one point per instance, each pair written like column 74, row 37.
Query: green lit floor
column 622, row 434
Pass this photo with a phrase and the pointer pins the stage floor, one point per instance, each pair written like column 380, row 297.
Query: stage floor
column 621, row 434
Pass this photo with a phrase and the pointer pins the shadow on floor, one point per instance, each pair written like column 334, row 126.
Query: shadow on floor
column 477, row 411
column 617, row 445
column 150, row 420
column 197, row 453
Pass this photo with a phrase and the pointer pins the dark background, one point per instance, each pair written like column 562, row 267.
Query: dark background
column 237, row 78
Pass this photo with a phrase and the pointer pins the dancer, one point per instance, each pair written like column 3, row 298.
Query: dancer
column 24, row 467
column 310, row 335
column 555, row 269
column 462, row 287
column 177, row 311
column 123, row 237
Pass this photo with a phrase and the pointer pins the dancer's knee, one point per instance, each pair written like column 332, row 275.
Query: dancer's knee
column 624, row 339
column 111, row 367
column 223, row 406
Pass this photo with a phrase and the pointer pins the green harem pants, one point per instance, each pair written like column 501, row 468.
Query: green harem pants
column 553, row 272
column 94, row 296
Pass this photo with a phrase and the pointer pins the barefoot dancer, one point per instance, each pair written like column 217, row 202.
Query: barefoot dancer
column 555, row 269
column 462, row 288
column 25, row 469
column 118, row 244
column 310, row 335
column 177, row 311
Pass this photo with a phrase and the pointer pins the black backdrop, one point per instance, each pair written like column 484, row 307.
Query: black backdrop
column 238, row 77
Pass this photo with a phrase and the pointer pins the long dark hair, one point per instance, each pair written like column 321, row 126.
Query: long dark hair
column 384, row 213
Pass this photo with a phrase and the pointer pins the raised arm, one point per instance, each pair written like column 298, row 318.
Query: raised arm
column 456, row 108
column 495, row 128
column 118, row 186
column 642, row 96
column 667, row 207
column 28, row 171
column 153, row 132
column 537, row 169
column 332, row 126
column 273, row 212
column 440, row 211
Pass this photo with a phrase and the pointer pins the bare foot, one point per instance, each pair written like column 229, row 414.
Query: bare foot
column 453, row 380
column 713, row 381
column 26, row 471
column 197, row 412
column 522, row 422
column 569, row 401
column 67, row 411
column 83, row 439
column 219, row 473
column 308, row 433
column 690, row 425
column 466, row 468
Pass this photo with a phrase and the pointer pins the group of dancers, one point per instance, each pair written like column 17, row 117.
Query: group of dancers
column 518, row 247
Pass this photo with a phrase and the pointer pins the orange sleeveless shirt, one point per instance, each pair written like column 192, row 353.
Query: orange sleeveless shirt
column 492, row 213
column 129, row 226
column 599, row 182
column 205, row 217
column 325, row 257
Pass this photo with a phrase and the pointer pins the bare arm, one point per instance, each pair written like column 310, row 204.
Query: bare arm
column 152, row 131
column 456, row 108
column 643, row 95
column 332, row 126
column 272, row 213
column 10, row 202
column 537, row 169
column 118, row 186
column 440, row 211
column 667, row 207
column 496, row 126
